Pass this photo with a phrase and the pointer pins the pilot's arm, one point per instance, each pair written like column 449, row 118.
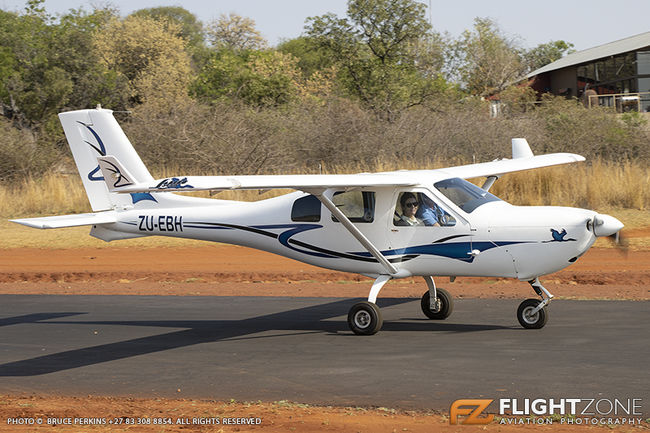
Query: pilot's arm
column 428, row 215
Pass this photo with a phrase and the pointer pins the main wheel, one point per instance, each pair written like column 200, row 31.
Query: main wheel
column 446, row 305
column 364, row 318
column 528, row 320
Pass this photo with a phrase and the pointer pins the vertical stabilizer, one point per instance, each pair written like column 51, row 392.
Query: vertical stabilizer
column 94, row 133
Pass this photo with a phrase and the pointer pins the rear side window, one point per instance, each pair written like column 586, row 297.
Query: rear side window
column 358, row 206
column 306, row 209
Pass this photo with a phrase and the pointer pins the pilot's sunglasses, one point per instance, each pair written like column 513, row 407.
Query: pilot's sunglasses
column 412, row 204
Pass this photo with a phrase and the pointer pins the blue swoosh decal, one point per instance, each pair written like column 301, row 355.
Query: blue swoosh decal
column 142, row 196
column 455, row 250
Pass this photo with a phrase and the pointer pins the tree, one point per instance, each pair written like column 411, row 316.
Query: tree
column 32, row 86
column 47, row 65
column 543, row 54
column 151, row 56
column 376, row 48
column 259, row 78
column 188, row 26
column 311, row 55
column 485, row 60
column 235, row 33
column 388, row 27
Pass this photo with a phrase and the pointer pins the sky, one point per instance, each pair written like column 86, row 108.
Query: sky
column 585, row 24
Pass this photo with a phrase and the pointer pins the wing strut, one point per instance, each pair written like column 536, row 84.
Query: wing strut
column 354, row 231
column 489, row 182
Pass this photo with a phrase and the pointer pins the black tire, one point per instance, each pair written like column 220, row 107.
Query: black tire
column 537, row 321
column 446, row 305
column 364, row 318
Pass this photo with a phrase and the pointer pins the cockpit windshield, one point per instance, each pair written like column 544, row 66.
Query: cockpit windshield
column 464, row 194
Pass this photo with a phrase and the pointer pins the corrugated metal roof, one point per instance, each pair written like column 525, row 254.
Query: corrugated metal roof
column 611, row 49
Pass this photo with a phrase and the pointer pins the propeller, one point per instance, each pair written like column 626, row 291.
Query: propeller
column 620, row 241
column 605, row 225
column 609, row 227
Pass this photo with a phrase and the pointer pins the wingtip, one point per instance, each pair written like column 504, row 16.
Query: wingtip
column 521, row 148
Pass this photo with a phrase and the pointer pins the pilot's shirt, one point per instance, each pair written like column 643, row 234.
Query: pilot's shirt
column 405, row 221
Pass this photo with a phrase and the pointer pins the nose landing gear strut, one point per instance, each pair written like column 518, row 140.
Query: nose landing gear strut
column 532, row 313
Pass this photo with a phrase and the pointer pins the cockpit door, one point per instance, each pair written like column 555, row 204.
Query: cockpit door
column 432, row 239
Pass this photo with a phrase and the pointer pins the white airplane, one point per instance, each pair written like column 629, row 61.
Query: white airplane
column 382, row 225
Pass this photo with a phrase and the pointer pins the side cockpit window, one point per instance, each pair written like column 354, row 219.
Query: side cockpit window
column 306, row 209
column 418, row 209
column 358, row 206
column 464, row 194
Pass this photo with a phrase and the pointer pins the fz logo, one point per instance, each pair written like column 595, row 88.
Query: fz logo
column 471, row 408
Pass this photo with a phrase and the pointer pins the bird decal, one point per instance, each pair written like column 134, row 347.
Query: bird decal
column 559, row 236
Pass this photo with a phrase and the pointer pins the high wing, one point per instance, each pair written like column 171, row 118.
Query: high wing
column 522, row 159
column 119, row 180
column 503, row 166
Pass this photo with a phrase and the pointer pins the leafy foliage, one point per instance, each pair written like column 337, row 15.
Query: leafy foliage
column 259, row 78
column 235, row 33
column 189, row 28
column 150, row 56
column 376, row 48
column 486, row 60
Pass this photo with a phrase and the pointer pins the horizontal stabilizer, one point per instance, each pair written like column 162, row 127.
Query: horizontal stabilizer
column 55, row 222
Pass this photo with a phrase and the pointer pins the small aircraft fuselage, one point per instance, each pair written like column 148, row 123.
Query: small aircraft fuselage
column 494, row 239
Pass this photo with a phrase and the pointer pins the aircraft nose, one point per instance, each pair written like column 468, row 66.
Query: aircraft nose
column 605, row 225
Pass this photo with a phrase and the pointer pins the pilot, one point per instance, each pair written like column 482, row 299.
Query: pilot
column 410, row 205
column 430, row 213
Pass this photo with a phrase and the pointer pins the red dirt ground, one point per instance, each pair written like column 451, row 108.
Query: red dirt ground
column 224, row 270
column 228, row 270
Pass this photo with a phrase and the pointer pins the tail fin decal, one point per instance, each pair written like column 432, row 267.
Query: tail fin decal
column 96, row 133
column 101, row 150
column 115, row 175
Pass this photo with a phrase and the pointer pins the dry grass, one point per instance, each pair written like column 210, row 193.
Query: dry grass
column 596, row 185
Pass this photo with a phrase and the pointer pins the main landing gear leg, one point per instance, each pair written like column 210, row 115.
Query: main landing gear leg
column 436, row 303
column 364, row 317
column 532, row 313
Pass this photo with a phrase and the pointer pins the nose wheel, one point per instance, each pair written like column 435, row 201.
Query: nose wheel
column 530, row 316
column 532, row 313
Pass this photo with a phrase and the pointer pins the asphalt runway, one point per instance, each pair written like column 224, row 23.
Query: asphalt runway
column 301, row 349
